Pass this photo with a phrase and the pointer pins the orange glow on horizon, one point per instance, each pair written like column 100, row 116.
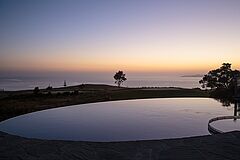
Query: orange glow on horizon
column 173, row 60
column 108, row 66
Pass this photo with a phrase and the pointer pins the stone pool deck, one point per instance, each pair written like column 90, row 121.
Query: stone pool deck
column 221, row 146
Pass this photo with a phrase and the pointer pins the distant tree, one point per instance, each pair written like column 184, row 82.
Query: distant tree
column 49, row 88
column 119, row 78
column 222, row 77
column 36, row 90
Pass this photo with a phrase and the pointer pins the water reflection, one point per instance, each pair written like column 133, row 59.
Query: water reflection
column 120, row 120
column 226, row 123
column 236, row 108
column 229, row 103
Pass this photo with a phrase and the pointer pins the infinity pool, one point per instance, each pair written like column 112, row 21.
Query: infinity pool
column 120, row 120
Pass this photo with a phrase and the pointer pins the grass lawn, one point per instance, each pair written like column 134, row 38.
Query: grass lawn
column 14, row 103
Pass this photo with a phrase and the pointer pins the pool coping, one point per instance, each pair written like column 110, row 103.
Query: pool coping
column 211, row 147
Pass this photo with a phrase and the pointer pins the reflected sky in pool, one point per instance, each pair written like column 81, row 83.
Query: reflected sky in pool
column 120, row 120
column 227, row 125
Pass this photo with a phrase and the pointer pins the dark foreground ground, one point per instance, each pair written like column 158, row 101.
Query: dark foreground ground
column 13, row 103
column 216, row 147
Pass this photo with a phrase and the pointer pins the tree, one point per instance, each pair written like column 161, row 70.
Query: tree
column 221, row 78
column 120, row 78
column 49, row 89
column 36, row 90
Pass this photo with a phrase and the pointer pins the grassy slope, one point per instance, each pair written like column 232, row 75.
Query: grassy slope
column 21, row 102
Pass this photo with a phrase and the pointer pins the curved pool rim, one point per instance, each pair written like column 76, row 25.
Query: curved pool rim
column 214, row 130
column 82, row 104
column 106, row 102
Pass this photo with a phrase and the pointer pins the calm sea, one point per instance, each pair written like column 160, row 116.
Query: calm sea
column 29, row 82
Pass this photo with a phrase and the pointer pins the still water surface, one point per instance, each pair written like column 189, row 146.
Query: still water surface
column 22, row 83
column 121, row 120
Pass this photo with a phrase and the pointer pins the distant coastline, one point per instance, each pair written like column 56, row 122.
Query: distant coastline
column 24, row 83
column 193, row 75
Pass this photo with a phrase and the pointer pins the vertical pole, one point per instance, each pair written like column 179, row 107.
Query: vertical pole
column 235, row 86
column 235, row 109
column 238, row 108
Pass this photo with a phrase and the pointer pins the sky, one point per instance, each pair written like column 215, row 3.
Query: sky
column 167, row 36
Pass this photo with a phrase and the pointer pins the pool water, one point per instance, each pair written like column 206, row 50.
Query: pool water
column 121, row 120
column 227, row 125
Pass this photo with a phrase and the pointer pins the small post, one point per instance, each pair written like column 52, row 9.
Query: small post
column 235, row 110
column 238, row 86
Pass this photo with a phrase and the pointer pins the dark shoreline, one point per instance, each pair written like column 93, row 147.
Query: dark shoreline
column 14, row 103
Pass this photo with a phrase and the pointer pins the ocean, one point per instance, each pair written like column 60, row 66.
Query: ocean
column 13, row 83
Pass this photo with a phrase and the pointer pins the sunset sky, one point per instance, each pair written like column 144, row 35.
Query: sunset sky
column 188, row 36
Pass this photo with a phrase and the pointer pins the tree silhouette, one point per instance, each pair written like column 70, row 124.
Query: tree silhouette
column 221, row 78
column 119, row 77
column 36, row 90
column 49, row 89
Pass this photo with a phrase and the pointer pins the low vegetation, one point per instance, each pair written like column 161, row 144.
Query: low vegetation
column 20, row 102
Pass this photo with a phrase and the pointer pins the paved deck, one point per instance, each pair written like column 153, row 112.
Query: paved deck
column 221, row 146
